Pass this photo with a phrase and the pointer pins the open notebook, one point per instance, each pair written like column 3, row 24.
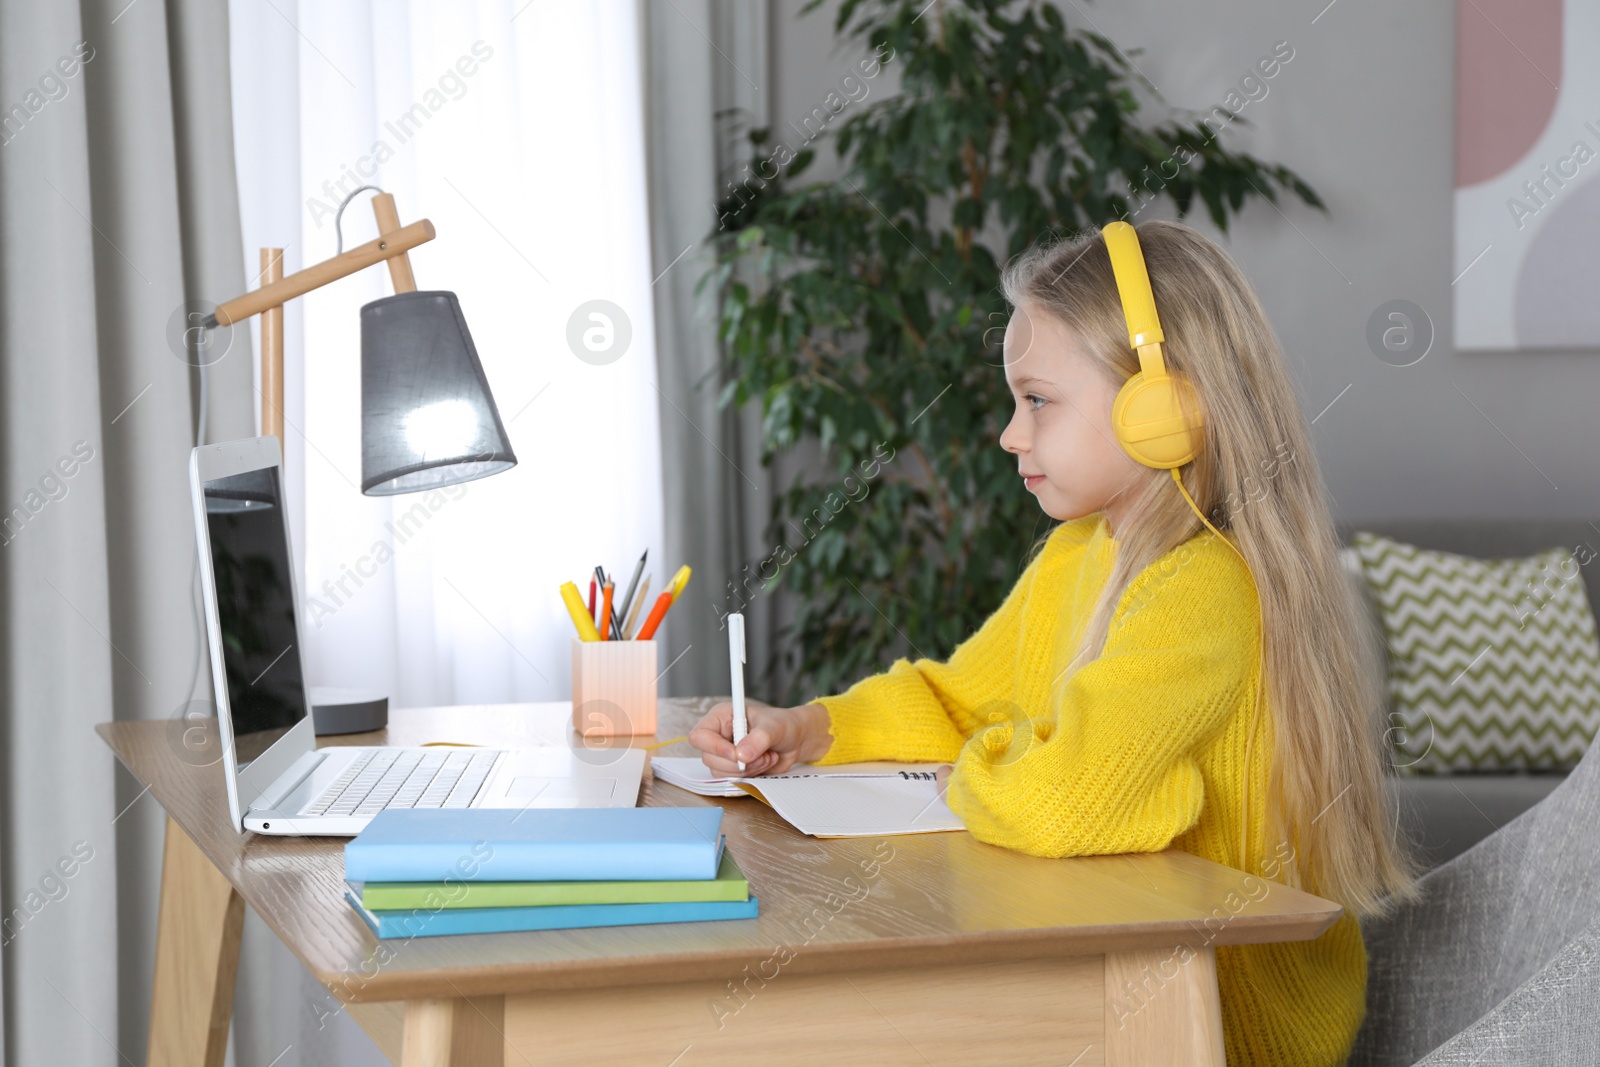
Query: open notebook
column 842, row 800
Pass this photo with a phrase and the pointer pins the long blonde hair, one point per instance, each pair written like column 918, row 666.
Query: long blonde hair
column 1323, row 688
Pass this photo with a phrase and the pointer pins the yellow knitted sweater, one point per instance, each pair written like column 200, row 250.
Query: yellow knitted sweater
column 1144, row 750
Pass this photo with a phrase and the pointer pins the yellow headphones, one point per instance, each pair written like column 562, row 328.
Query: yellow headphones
column 1156, row 417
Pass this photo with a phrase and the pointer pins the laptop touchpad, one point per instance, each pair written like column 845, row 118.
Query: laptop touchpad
column 540, row 791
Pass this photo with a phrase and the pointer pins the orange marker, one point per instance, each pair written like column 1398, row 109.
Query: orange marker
column 605, row 611
column 657, row 613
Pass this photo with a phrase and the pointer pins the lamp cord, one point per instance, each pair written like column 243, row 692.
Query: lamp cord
column 194, row 571
column 338, row 231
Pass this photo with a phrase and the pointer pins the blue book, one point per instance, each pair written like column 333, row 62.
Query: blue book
column 421, row 922
column 537, row 845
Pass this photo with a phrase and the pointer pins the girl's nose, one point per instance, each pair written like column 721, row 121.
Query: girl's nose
column 1012, row 439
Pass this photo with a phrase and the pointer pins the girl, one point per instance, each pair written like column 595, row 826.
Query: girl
column 1127, row 696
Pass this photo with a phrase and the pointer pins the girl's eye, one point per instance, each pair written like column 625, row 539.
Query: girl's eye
column 1031, row 397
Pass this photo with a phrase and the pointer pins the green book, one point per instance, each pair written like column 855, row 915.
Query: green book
column 729, row 884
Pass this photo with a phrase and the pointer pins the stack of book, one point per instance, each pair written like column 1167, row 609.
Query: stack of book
column 425, row 872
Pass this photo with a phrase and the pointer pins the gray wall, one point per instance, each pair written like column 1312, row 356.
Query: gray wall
column 1364, row 111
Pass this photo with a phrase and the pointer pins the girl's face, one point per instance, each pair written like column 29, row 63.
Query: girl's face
column 1061, row 429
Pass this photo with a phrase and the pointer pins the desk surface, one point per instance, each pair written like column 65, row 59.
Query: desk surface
column 838, row 904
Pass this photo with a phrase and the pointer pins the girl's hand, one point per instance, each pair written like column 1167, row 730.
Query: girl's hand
column 777, row 739
column 941, row 776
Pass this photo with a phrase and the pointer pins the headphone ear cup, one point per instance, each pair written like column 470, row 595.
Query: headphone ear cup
column 1157, row 420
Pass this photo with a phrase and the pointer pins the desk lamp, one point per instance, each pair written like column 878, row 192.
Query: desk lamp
column 427, row 417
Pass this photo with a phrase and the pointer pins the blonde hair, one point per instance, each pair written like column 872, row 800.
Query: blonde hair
column 1323, row 686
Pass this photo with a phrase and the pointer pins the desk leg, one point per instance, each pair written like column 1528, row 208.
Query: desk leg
column 197, row 958
column 454, row 1032
column 1162, row 1011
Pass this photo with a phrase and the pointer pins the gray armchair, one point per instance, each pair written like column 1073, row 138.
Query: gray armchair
column 1499, row 964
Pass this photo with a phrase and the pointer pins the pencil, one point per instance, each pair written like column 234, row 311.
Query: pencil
column 638, row 606
column 605, row 611
column 627, row 598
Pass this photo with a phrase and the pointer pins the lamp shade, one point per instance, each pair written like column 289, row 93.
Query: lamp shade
column 427, row 417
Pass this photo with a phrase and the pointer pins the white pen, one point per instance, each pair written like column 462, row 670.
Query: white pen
column 736, row 670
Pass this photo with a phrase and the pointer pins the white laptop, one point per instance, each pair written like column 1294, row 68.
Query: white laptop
column 279, row 782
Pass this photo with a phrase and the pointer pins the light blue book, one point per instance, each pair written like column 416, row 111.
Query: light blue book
column 420, row 922
column 537, row 845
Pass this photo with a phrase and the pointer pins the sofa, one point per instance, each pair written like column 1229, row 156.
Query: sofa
column 1444, row 815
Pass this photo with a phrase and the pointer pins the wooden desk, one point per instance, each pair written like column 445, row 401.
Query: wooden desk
column 918, row 949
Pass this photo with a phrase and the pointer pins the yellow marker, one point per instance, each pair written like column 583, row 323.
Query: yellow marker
column 679, row 580
column 579, row 612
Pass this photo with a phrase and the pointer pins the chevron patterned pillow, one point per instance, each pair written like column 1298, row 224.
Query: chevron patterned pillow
column 1494, row 664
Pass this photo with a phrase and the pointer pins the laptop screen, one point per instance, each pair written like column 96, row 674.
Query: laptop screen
column 255, row 608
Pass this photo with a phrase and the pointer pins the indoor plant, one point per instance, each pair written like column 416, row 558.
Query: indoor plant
column 865, row 312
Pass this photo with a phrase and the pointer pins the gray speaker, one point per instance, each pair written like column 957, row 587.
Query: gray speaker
column 348, row 711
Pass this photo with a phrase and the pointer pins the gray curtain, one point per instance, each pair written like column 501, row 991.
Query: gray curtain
column 703, row 57
column 117, row 207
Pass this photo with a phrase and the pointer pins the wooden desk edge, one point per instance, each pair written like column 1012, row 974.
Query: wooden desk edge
column 525, row 976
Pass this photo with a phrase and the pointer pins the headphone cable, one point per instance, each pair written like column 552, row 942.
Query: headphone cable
column 1250, row 738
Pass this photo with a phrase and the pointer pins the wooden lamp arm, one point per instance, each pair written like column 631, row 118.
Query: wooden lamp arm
column 391, row 246
column 389, row 223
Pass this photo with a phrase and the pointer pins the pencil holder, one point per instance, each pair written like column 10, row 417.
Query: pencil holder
column 613, row 687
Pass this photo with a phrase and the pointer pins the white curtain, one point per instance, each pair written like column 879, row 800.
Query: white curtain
column 516, row 128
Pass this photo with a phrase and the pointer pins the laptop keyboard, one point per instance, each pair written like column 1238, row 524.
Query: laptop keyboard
column 398, row 778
